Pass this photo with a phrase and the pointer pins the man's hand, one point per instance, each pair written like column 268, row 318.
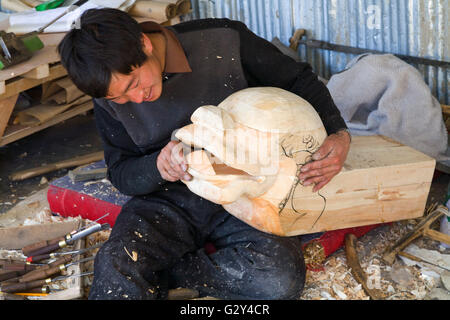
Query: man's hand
column 327, row 161
column 171, row 163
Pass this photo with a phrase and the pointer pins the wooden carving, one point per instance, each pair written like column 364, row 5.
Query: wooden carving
column 249, row 149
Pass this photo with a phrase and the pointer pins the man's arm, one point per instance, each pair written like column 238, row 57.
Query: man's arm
column 265, row 65
column 129, row 170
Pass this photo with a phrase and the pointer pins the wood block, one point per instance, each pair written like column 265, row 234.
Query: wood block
column 382, row 181
column 39, row 72
column 19, row 84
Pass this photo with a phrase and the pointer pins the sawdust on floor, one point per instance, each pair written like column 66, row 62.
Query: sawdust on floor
column 335, row 281
column 396, row 282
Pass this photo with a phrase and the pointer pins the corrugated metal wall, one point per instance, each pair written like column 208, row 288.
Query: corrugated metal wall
column 410, row 27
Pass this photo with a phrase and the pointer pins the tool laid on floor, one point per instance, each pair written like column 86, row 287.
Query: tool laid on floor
column 41, row 274
column 30, row 249
column 74, row 237
column 57, row 254
column 17, row 49
column 421, row 229
column 18, row 266
column 42, row 291
column 7, row 275
column 24, row 286
column 25, row 274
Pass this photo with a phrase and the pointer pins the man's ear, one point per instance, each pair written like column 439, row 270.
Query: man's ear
column 147, row 45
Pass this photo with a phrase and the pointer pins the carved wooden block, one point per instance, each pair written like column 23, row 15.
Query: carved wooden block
column 253, row 145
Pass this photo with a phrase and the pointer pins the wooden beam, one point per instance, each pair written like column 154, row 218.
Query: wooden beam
column 20, row 84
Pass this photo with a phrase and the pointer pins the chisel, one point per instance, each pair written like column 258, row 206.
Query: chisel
column 24, row 286
column 57, row 254
column 57, row 262
column 79, row 235
column 19, row 266
column 10, row 274
column 41, row 274
column 30, row 249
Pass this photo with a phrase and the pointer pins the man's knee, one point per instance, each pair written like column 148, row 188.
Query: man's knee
column 279, row 274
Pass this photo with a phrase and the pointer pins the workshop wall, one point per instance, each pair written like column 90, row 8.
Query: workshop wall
column 410, row 27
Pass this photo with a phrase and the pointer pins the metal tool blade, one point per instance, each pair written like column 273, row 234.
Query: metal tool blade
column 88, row 231
column 5, row 49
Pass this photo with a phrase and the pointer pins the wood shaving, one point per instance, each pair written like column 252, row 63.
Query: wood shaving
column 45, row 216
column 335, row 281
column 133, row 255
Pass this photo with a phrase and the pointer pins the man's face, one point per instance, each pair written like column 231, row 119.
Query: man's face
column 142, row 84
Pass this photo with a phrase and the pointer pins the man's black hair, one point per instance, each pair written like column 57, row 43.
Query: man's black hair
column 104, row 41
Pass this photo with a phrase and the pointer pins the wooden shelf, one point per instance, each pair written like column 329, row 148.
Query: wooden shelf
column 43, row 67
column 16, row 132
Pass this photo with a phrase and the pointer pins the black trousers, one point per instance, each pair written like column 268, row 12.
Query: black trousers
column 158, row 243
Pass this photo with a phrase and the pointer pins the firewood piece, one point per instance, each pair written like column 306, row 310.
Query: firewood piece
column 357, row 272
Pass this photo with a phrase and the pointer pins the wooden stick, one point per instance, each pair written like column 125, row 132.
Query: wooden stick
column 25, row 174
column 436, row 235
column 353, row 263
column 39, row 72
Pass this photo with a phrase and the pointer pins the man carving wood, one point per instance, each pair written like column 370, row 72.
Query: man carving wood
column 146, row 81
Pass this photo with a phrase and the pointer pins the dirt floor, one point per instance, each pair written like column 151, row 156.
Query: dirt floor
column 74, row 137
column 400, row 281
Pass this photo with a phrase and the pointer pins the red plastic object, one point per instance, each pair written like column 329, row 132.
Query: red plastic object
column 333, row 240
column 71, row 203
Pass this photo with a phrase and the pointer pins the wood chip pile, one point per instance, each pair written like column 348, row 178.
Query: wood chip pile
column 396, row 282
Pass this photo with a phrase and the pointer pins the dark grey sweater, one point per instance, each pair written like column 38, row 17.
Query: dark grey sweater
column 224, row 57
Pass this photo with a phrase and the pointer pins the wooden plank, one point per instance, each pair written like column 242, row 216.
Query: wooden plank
column 6, row 108
column 16, row 132
column 46, row 55
column 20, row 84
